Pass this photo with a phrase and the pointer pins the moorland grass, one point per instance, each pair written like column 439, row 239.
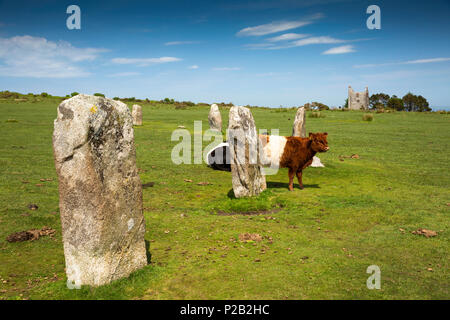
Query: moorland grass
column 317, row 242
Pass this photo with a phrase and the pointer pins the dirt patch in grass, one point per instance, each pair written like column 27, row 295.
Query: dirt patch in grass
column 245, row 237
column 425, row 232
column 32, row 234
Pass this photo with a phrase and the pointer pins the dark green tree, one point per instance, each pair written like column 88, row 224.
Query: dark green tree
column 395, row 103
column 412, row 102
column 422, row 104
column 378, row 100
column 409, row 101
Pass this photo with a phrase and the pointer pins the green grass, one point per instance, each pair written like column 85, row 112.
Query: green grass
column 323, row 237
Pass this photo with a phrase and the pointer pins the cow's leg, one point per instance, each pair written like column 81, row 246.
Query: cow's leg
column 291, row 179
column 299, row 177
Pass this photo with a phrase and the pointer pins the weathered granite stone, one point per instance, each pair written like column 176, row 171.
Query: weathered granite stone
column 100, row 193
column 299, row 129
column 137, row 115
column 214, row 118
column 246, row 170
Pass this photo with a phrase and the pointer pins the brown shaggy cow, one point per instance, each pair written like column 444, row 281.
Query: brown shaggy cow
column 294, row 153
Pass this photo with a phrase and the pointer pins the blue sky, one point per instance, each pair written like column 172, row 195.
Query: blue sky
column 266, row 53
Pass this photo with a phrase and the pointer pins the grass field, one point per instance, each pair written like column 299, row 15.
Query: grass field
column 317, row 242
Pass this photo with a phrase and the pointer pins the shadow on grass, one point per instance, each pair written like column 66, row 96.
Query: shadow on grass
column 277, row 185
column 285, row 185
column 147, row 252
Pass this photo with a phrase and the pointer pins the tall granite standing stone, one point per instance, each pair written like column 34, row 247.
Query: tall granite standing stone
column 246, row 169
column 299, row 130
column 214, row 118
column 137, row 115
column 100, row 193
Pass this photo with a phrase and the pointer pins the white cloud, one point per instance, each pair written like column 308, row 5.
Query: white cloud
column 316, row 40
column 143, row 62
column 427, row 60
column 278, row 26
column 340, row 50
column 124, row 74
column 226, row 69
column 419, row 61
column 27, row 56
column 176, row 43
column 193, row 67
column 309, row 41
column 287, row 36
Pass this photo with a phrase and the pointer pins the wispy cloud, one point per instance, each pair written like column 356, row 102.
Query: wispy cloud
column 28, row 56
column 316, row 40
column 177, row 43
column 193, row 67
column 124, row 74
column 226, row 69
column 310, row 41
column 277, row 26
column 419, row 61
column 302, row 42
column 340, row 50
column 287, row 36
column 427, row 60
column 143, row 62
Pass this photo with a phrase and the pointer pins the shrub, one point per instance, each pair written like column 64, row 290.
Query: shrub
column 6, row 94
column 367, row 117
column 188, row 103
column 224, row 105
column 44, row 94
column 99, row 95
column 317, row 114
column 73, row 94
column 168, row 101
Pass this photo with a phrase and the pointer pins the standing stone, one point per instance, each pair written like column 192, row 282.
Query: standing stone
column 100, row 193
column 214, row 118
column 246, row 170
column 137, row 115
column 299, row 129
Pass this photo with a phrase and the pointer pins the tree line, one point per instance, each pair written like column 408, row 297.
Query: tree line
column 409, row 102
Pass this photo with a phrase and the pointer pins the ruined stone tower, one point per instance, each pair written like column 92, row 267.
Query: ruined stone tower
column 358, row 100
